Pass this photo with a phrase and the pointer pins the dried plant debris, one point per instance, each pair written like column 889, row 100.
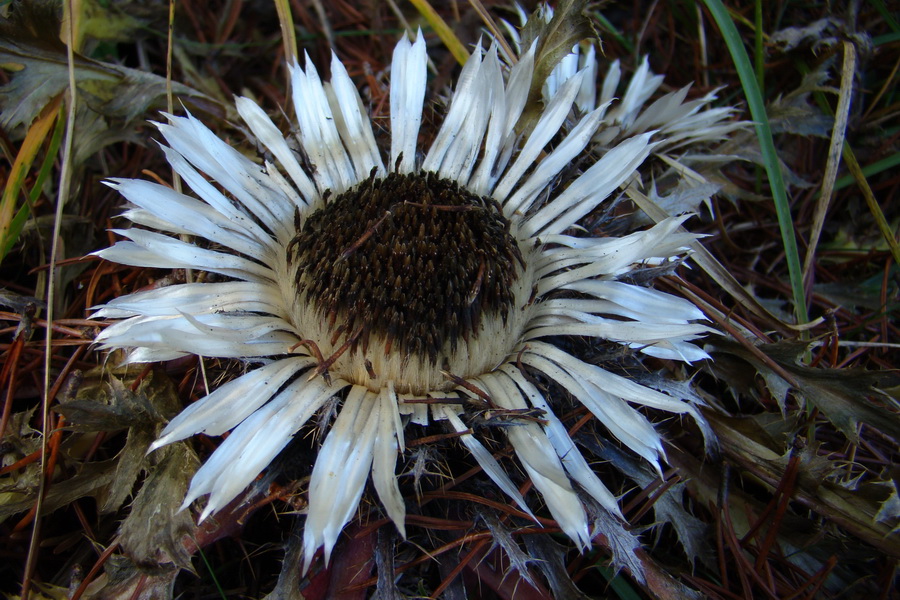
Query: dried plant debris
column 29, row 45
column 847, row 397
column 818, row 36
column 795, row 112
column 555, row 39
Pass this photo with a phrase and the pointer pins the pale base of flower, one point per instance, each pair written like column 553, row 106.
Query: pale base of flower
column 411, row 374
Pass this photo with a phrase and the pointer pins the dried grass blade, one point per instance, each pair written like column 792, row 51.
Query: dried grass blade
column 288, row 33
column 443, row 30
column 838, row 134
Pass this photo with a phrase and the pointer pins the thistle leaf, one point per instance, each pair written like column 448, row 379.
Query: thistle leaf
column 154, row 529
column 568, row 27
column 30, row 45
column 843, row 395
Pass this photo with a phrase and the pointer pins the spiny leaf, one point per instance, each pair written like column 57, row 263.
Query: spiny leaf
column 153, row 531
column 29, row 43
column 110, row 407
column 890, row 508
column 113, row 406
column 668, row 508
column 131, row 461
column 841, row 394
column 122, row 578
column 817, row 36
column 501, row 536
column 92, row 480
column 795, row 113
column 549, row 557
column 568, row 27
column 745, row 444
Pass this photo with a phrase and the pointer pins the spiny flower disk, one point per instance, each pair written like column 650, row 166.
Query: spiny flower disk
column 399, row 274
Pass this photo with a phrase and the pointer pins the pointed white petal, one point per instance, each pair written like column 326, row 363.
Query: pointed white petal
column 591, row 188
column 626, row 424
column 616, row 385
column 469, row 92
column 224, row 336
column 459, row 160
column 665, row 110
column 151, row 249
column 408, row 74
column 385, row 459
column 547, row 127
column 531, row 444
column 339, row 476
column 570, row 456
column 190, row 215
column 232, row 170
column 564, row 505
column 196, row 298
column 586, row 99
column 256, row 441
column 352, row 121
column 607, row 256
column 149, row 355
column 539, row 458
column 270, row 137
column 235, row 213
column 231, row 403
column 640, row 301
column 611, row 81
column 318, row 133
column 642, row 85
column 487, row 461
column 507, row 106
column 579, row 323
column 551, row 165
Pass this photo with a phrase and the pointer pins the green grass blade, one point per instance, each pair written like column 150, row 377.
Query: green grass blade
column 886, row 163
column 767, row 145
column 618, row 584
column 18, row 221
column 212, row 574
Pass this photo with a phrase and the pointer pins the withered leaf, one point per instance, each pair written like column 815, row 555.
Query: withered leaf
column 668, row 508
column 30, row 43
column 92, row 480
column 744, row 443
column 501, row 536
column 549, row 558
column 288, row 585
column 843, row 395
column 890, row 509
column 568, row 27
column 796, row 113
column 111, row 407
column 124, row 579
column 154, row 529
column 132, row 460
column 818, row 34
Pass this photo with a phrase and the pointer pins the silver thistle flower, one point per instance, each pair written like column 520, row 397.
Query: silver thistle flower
column 386, row 283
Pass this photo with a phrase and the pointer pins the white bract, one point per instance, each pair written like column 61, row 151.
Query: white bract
column 262, row 308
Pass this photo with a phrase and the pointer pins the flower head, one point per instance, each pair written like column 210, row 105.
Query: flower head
column 412, row 290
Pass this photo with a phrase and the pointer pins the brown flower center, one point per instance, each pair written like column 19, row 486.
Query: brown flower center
column 413, row 261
